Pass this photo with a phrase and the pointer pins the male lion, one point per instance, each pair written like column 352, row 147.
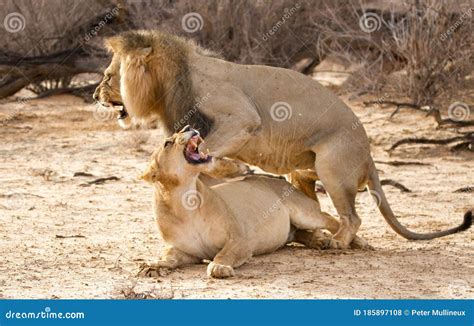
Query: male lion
column 201, row 222
column 277, row 119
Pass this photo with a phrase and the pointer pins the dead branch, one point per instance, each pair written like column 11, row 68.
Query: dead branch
column 59, row 236
column 464, row 146
column 59, row 41
column 80, row 91
column 402, row 163
column 395, row 184
column 395, row 103
column 468, row 136
column 99, row 181
column 467, row 189
column 82, row 174
column 398, row 105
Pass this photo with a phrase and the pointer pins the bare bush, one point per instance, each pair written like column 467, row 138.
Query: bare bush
column 419, row 49
column 278, row 33
column 59, row 39
column 422, row 49
column 46, row 43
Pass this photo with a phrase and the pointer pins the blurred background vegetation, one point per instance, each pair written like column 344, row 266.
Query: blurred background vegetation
column 416, row 54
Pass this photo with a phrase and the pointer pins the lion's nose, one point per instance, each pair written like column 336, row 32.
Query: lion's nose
column 186, row 129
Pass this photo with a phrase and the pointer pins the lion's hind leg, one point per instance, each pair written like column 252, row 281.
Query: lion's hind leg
column 309, row 221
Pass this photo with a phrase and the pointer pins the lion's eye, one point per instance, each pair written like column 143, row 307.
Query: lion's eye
column 168, row 142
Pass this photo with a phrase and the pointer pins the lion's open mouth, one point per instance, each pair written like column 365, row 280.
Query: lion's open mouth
column 120, row 108
column 192, row 153
column 122, row 113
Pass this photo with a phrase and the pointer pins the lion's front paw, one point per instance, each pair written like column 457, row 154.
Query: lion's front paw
column 321, row 240
column 361, row 243
column 219, row 271
column 246, row 170
column 336, row 244
column 320, row 243
column 152, row 270
column 241, row 169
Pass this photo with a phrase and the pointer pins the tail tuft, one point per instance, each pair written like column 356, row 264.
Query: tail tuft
column 467, row 223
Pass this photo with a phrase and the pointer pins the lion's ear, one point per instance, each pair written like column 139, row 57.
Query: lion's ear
column 114, row 44
column 144, row 52
column 151, row 173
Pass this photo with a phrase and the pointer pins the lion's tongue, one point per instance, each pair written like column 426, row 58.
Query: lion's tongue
column 194, row 156
column 192, row 150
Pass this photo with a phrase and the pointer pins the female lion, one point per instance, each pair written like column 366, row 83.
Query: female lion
column 230, row 222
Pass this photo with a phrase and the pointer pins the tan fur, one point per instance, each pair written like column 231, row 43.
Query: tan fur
column 108, row 90
column 164, row 87
column 230, row 222
column 163, row 76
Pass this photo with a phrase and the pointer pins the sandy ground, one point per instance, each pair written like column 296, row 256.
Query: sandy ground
column 63, row 238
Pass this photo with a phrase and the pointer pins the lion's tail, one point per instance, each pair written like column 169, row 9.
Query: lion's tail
column 376, row 189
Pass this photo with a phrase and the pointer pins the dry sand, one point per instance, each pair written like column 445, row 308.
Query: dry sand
column 62, row 238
